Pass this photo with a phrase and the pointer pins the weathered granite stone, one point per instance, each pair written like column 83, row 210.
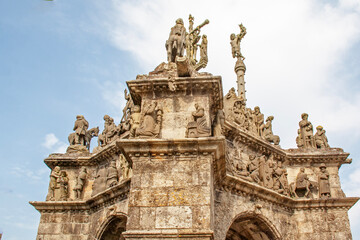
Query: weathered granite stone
column 186, row 163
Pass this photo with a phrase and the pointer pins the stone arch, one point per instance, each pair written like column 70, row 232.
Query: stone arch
column 251, row 226
column 112, row 228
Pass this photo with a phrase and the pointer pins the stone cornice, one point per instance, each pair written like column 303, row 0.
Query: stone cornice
column 186, row 146
column 242, row 187
column 332, row 156
column 211, row 84
column 119, row 192
column 170, row 233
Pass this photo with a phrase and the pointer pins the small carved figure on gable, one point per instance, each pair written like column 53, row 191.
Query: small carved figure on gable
column 320, row 138
column 126, row 170
column 124, row 125
column 134, row 120
column 53, row 185
column 281, row 184
column 198, row 127
column 203, row 54
column 266, row 168
column 268, row 133
column 218, row 124
column 259, row 121
column 306, row 132
column 99, row 184
column 253, row 168
column 80, row 182
column 112, row 177
column 109, row 133
column 324, row 184
column 63, row 186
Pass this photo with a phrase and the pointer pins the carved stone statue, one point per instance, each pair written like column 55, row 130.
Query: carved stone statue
column 302, row 184
column 320, row 138
column 151, row 121
column 324, row 184
column 235, row 42
column 124, row 125
column 134, row 120
column 64, row 186
column 306, row 132
column 112, row 176
column 175, row 45
column 80, row 182
column 109, row 133
column 259, row 121
column 253, row 168
column 218, row 124
column 126, row 170
column 80, row 127
column 268, row 133
column 281, row 184
column 93, row 132
column 199, row 127
column 99, row 184
column 203, row 54
column 53, row 185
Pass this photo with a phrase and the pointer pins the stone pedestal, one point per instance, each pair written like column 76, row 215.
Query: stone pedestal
column 178, row 104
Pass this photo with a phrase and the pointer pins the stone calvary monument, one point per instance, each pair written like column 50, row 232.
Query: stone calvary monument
column 187, row 162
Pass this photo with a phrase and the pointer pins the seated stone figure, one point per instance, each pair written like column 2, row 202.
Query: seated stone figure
column 320, row 138
column 199, row 127
column 109, row 133
column 268, row 133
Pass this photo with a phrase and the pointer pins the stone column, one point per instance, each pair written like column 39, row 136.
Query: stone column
column 240, row 69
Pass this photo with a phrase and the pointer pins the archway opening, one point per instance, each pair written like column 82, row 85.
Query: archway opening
column 114, row 229
column 250, row 228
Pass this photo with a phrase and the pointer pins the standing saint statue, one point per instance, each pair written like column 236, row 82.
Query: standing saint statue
column 306, row 132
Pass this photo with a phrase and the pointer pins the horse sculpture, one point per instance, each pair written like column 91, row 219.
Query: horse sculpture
column 93, row 132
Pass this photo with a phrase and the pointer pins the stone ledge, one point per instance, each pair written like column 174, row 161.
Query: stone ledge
column 211, row 83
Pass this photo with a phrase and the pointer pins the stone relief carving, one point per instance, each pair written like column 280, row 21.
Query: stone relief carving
column 112, row 176
column 80, row 182
column 54, row 183
column 125, row 125
column 198, row 127
column 151, row 120
column 58, row 185
column 99, row 184
column 63, row 186
column 126, row 170
column 262, row 169
column 303, row 186
column 324, row 184
column 251, row 121
column 218, row 123
column 134, row 120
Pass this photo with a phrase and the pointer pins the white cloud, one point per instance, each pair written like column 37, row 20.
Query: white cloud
column 54, row 144
column 28, row 174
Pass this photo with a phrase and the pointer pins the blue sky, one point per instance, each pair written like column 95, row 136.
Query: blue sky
column 62, row 58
